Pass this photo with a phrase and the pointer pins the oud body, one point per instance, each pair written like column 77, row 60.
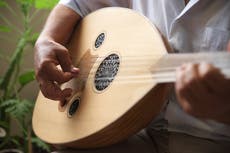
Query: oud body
column 116, row 94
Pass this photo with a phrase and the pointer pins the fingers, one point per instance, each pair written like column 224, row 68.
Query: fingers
column 52, row 73
column 189, row 88
column 52, row 91
column 50, row 77
column 48, row 56
column 65, row 60
column 209, row 76
column 203, row 77
column 198, row 86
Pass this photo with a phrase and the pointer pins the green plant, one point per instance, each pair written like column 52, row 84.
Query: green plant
column 12, row 105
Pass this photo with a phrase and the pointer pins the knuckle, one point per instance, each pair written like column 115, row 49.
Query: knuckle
column 189, row 75
column 64, row 78
column 47, row 61
column 59, row 77
column 205, row 69
column 191, row 66
column 43, row 68
column 48, row 64
column 62, row 51
column 49, row 91
column 46, row 93
column 184, row 86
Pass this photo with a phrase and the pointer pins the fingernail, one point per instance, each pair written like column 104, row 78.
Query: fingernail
column 74, row 70
column 75, row 73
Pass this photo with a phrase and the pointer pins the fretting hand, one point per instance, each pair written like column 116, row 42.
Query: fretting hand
column 203, row 91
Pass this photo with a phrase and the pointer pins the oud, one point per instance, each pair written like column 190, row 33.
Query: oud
column 123, row 83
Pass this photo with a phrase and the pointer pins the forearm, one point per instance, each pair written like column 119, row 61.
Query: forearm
column 59, row 25
column 50, row 51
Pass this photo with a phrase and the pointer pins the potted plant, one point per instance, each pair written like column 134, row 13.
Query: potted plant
column 13, row 106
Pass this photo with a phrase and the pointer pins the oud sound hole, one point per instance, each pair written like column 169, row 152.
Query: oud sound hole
column 100, row 39
column 73, row 107
column 106, row 72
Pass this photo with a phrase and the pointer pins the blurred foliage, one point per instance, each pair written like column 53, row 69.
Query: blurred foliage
column 13, row 106
column 45, row 4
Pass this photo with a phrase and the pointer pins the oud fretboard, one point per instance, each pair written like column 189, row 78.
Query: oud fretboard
column 164, row 71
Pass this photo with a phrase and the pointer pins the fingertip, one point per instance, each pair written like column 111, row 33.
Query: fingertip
column 67, row 76
column 181, row 68
column 74, row 70
column 63, row 102
column 66, row 93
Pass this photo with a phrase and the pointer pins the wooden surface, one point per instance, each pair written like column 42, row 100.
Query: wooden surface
column 128, row 104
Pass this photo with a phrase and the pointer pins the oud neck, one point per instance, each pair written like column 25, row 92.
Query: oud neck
column 164, row 71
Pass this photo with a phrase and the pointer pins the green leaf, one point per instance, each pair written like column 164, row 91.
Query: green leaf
column 27, row 77
column 19, row 109
column 14, row 62
column 25, row 6
column 4, row 28
column 16, row 141
column 9, row 102
column 39, row 143
column 22, row 109
column 45, row 4
column 33, row 38
column 2, row 3
column 28, row 2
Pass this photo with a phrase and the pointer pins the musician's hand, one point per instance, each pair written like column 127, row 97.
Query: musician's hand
column 49, row 54
column 203, row 91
